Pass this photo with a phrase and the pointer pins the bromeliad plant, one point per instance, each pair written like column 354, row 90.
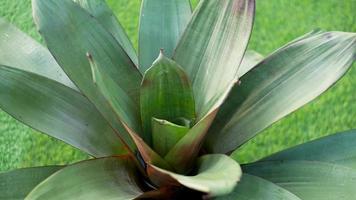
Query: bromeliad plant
column 163, row 128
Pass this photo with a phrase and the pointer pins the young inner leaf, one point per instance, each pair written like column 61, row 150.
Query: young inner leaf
column 166, row 94
column 166, row 134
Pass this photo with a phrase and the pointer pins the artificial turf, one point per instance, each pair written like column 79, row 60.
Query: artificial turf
column 277, row 22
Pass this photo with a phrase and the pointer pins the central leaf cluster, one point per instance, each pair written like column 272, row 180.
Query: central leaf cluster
column 167, row 104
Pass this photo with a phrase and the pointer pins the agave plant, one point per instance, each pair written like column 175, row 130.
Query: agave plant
column 163, row 128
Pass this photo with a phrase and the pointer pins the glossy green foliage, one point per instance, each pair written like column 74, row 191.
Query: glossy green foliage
column 162, row 23
column 308, row 179
column 63, row 21
column 254, row 188
column 212, row 45
column 124, row 107
column 101, row 11
column 105, row 178
column 21, row 51
column 56, row 110
column 17, row 184
column 277, row 86
column 339, row 148
column 166, row 94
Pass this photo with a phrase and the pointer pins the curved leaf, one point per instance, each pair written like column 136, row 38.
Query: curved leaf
column 254, row 188
column 183, row 155
column 106, row 178
column 162, row 23
column 308, row 179
column 58, row 111
column 16, row 184
column 216, row 175
column 21, row 51
column 286, row 80
column 165, row 94
column 102, row 12
column 123, row 106
column 339, row 148
column 70, row 32
column 250, row 60
column 212, row 47
column 165, row 135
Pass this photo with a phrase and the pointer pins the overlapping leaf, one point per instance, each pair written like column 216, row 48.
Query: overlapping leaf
column 254, row 188
column 23, row 52
column 165, row 94
column 212, row 47
column 216, row 175
column 101, row 11
column 16, row 184
column 162, row 23
column 308, row 179
column 105, row 178
column 58, row 111
column 165, row 135
column 286, row 80
column 70, row 32
column 339, row 148
column 183, row 155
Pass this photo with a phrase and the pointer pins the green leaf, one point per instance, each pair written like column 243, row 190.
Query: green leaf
column 165, row 94
column 16, row 184
column 254, row 188
column 105, row 178
column 286, row 80
column 162, row 23
column 250, row 60
column 216, row 175
column 58, row 111
column 165, row 135
column 70, row 32
column 124, row 107
column 102, row 12
column 308, row 179
column 21, row 51
column 212, row 48
column 183, row 155
column 339, row 148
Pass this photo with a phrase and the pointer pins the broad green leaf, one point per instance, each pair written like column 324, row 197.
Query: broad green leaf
column 165, row 135
column 70, row 32
column 183, row 155
column 165, row 94
column 106, row 178
column 339, row 148
column 283, row 82
column 21, row 51
column 216, row 175
column 250, row 60
column 16, row 184
column 162, row 23
column 123, row 106
column 254, row 188
column 212, row 48
column 58, row 111
column 102, row 12
column 308, row 179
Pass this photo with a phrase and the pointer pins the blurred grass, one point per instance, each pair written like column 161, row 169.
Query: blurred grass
column 277, row 22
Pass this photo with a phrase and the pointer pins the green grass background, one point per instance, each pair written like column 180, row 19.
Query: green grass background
column 277, row 22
